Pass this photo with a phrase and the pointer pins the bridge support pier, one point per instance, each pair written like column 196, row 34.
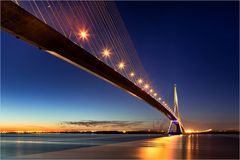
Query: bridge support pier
column 175, row 128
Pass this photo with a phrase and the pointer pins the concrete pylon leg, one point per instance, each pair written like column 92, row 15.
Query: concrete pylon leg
column 170, row 127
column 176, row 130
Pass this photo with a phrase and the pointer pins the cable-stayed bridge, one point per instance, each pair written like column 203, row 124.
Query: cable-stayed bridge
column 89, row 35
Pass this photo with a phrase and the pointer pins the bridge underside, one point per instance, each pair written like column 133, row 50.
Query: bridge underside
column 25, row 26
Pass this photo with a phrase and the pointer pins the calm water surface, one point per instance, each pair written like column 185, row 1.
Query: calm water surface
column 23, row 144
column 140, row 146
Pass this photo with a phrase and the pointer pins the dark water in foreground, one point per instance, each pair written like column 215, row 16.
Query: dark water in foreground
column 23, row 144
column 149, row 146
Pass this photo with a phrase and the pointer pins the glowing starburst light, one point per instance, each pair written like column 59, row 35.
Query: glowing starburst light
column 106, row 52
column 83, row 34
column 132, row 74
column 146, row 86
column 121, row 65
column 140, row 81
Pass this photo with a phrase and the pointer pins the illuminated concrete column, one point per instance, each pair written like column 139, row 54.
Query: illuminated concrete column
column 177, row 123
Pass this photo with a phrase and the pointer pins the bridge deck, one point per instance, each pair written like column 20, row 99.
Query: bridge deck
column 25, row 26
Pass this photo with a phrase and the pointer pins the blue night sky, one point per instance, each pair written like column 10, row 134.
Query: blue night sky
column 194, row 45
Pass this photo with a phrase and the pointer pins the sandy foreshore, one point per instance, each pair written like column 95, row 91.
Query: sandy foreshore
column 175, row 147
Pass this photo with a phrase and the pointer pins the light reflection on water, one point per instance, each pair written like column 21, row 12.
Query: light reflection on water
column 136, row 147
column 190, row 147
column 158, row 148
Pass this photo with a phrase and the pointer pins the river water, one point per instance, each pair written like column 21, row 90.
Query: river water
column 132, row 146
